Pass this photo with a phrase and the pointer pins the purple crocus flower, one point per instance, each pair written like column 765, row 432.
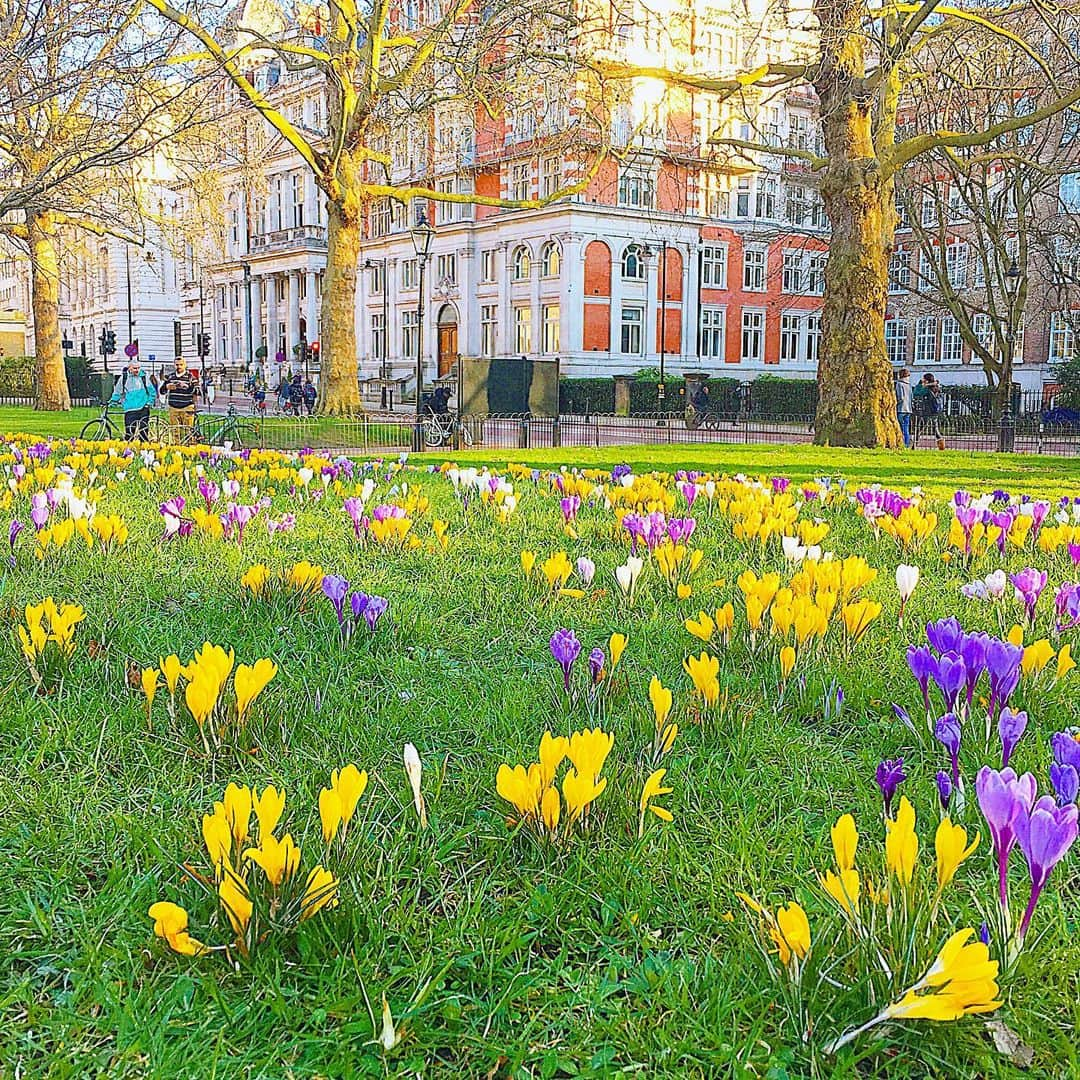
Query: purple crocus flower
column 1045, row 836
column 172, row 510
column 354, row 507
column 565, row 648
column 944, row 789
column 984, row 934
column 1066, row 782
column 1003, row 670
column 1011, row 727
column 1029, row 584
column 945, row 635
column 374, row 610
column 1074, row 554
column 889, row 776
column 951, row 677
column 1065, row 746
column 904, row 717
column 947, row 732
column 596, row 664
column 924, row 667
column 973, row 651
column 1003, row 798
column 209, row 491
column 39, row 510
column 586, row 569
column 336, row 589
column 14, row 529
column 1067, row 605
column 620, row 471
column 780, row 484
column 689, row 492
column 634, row 524
column 570, row 504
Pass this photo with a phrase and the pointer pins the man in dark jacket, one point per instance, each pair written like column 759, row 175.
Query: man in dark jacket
column 180, row 389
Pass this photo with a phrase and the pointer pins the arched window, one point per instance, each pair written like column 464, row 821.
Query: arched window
column 550, row 260
column 522, row 264
column 633, row 263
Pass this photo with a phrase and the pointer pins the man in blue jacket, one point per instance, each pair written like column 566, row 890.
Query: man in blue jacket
column 135, row 393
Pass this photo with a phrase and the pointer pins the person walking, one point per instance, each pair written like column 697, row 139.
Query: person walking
column 134, row 393
column 179, row 389
column 209, row 389
column 903, row 404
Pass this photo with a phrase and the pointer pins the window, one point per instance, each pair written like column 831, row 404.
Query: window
column 926, row 269
column 446, row 269
column 792, row 277
column 712, row 333
column 956, row 201
column 410, row 273
column 929, row 208
column 1066, row 266
column 551, row 328
column 298, row 194
column 714, row 200
column 766, row 197
column 813, row 337
column 636, row 189
column 902, row 219
column 631, row 330
column 103, row 271
column 378, row 336
column 488, row 329
column 521, row 182
column 899, row 271
column 381, row 218
column 952, row 344
column 956, row 260
column 378, row 277
column 487, row 265
column 754, row 269
column 714, row 266
column 633, row 264
column 445, row 211
column 234, row 219
column 799, row 131
column 797, row 204
column 523, row 330
column 896, row 341
column 926, row 340
column 790, row 337
column 1070, row 126
column 522, row 264
column 551, row 176
column 742, row 197
column 753, row 336
column 1069, row 190
column 549, row 260
column 982, row 328
column 1062, row 338
column 410, row 333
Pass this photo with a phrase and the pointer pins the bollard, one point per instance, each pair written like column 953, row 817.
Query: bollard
column 556, row 433
column 523, row 434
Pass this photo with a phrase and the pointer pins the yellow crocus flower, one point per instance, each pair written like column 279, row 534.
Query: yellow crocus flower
column 201, row 696
column 278, row 859
column 233, row 894
column 702, row 627
column 217, row 836
column 553, row 751
column 256, row 578
column 661, row 699
column 250, row 682
column 844, row 889
column 901, row 843
column 170, row 668
column 1016, row 635
column 579, row 790
column 1065, row 662
column 329, row 813
column 237, row 807
column 350, row 785
column 268, row 809
column 791, row 932
column 528, row 562
column 704, row 671
column 519, row 788
column 616, row 646
column 845, row 839
column 550, row 807
column 170, row 924
column 320, row 892
column 787, row 661
column 654, row 789
column 149, row 686
column 588, row 750
column 1036, row 656
column 949, row 844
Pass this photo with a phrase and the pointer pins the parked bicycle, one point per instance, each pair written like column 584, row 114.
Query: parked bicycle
column 228, row 430
column 439, row 430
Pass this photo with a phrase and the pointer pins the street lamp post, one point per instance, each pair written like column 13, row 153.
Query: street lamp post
column 1007, row 430
column 247, row 318
column 422, row 235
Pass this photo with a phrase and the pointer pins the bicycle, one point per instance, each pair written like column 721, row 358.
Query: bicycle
column 232, row 429
column 709, row 419
column 439, row 430
column 101, row 427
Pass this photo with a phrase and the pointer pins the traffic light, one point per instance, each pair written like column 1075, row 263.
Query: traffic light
column 108, row 342
column 314, row 350
column 204, row 344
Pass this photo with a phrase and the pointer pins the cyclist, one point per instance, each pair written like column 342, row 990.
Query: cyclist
column 310, row 394
column 179, row 390
column 135, row 393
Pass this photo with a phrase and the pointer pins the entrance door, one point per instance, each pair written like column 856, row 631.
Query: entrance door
column 448, row 349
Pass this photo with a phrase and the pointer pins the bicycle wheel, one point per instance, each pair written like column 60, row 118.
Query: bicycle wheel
column 158, row 430
column 466, row 434
column 98, row 430
column 433, row 433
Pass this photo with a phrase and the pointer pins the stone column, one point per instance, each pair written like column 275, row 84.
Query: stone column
column 311, row 309
column 468, row 310
column 615, row 314
column 651, row 357
column 256, row 317
column 293, row 333
column 534, row 303
column 622, row 394
column 271, row 323
column 571, row 291
column 502, row 276
column 691, row 312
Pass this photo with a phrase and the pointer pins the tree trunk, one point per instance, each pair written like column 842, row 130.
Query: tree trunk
column 50, row 375
column 856, row 395
column 339, row 388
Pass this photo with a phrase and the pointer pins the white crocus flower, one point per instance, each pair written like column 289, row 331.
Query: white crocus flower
column 414, row 771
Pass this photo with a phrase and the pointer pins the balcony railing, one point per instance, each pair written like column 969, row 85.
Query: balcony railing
column 299, row 236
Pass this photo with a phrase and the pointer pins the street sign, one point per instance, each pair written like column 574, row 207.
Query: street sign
column 152, row 358
column 280, row 357
column 131, row 349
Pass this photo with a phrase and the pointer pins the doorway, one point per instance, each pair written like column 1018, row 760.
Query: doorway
column 448, row 340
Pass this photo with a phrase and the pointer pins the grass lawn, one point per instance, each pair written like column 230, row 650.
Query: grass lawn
column 497, row 953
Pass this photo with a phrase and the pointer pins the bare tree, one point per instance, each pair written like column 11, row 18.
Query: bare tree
column 864, row 64
column 387, row 72
column 86, row 102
